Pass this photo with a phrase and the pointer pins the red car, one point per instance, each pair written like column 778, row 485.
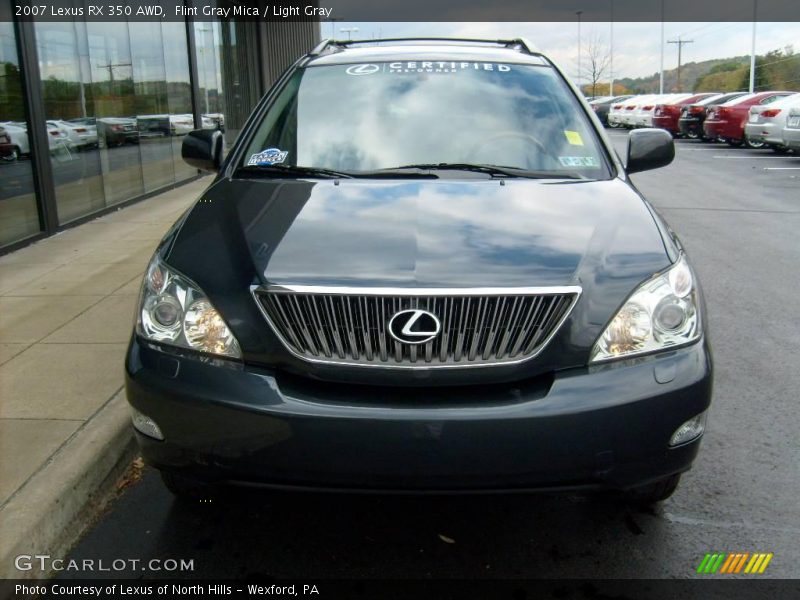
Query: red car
column 666, row 115
column 726, row 122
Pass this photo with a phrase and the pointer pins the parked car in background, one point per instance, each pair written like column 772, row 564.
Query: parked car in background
column 181, row 124
column 78, row 135
column 726, row 122
column 667, row 112
column 8, row 152
column 602, row 106
column 17, row 136
column 628, row 116
column 694, row 115
column 765, row 122
column 643, row 116
column 790, row 136
column 615, row 112
column 116, row 131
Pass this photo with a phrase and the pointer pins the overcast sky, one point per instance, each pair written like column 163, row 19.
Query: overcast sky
column 636, row 45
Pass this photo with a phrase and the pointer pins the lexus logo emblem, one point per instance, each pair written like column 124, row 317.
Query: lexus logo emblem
column 363, row 69
column 414, row 326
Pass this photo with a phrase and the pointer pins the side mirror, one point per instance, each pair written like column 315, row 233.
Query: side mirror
column 202, row 148
column 649, row 149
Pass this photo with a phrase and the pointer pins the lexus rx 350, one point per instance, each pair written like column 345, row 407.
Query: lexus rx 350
column 421, row 267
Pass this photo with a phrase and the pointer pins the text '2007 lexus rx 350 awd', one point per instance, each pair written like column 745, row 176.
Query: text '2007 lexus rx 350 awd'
column 421, row 268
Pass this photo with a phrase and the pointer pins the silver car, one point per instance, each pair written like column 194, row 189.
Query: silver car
column 765, row 122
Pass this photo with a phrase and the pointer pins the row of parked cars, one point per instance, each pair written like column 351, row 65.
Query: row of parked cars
column 87, row 132
column 763, row 119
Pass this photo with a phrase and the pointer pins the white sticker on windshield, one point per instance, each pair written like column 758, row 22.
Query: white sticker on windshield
column 578, row 161
column 270, row 156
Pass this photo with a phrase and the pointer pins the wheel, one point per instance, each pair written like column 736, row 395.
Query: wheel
column 187, row 489
column 654, row 492
column 692, row 134
column 753, row 145
column 13, row 156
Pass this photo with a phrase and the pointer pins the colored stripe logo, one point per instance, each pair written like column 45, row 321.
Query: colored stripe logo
column 734, row 563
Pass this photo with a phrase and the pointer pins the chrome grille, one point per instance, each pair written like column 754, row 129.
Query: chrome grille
column 479, row 326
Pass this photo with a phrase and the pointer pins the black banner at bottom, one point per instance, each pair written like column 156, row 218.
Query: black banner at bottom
column 585, row 589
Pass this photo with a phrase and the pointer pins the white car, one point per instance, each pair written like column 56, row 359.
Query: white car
column 617, row 111
column 181, row 124
column 19, row 137
column 628, row 117
column 765, row 122
column 78, row 136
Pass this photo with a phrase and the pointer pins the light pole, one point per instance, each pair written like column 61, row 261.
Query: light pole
column 611, row 54
column 579, row 13
column 348, row 31
column 753, row 50
column 661, row 75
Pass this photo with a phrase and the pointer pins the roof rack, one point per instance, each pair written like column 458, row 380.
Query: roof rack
column 332, row 44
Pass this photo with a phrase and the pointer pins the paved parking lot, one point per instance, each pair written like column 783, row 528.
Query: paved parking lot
column 737, row 212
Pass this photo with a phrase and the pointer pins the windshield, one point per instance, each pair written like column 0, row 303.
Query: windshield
column 370, row 117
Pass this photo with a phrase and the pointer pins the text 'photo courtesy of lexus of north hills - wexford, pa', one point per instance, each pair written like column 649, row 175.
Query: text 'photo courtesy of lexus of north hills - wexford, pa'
column 421, row 268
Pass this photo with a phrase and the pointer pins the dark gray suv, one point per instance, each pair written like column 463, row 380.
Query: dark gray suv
column 421, row 267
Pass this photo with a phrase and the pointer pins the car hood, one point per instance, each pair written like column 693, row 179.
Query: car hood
column 600, row 235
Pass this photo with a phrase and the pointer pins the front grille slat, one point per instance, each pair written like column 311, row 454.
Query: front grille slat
column 351, row 326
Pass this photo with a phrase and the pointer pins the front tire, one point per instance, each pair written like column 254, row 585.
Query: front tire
column 15, row 154
column 657, row 491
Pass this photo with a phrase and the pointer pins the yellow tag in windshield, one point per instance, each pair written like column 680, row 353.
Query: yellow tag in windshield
column 573, row 137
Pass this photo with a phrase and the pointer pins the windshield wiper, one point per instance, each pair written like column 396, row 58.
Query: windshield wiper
column 298, row 171
column 493, row 170
column 294, row 170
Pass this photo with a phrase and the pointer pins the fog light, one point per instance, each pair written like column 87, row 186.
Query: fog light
column 146, row 425
column 691, row 430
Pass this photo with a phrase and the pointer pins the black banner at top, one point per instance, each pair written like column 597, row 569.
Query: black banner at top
column 409, row 10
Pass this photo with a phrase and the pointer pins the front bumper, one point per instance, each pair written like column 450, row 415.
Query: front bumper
column 605, row 426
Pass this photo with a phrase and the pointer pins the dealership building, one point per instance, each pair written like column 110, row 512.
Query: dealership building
column 92, row 114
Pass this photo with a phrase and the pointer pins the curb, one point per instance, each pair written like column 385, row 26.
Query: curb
column 56, row 506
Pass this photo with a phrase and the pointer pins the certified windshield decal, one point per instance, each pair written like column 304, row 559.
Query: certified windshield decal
column 270, row 156
column 425, row 66
column 578, row 161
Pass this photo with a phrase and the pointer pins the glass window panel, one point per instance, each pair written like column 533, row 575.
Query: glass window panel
column 115, row 106
column 156, row 123
column 19, row 216
column 68, row 96
column 179, row 89
column 208, row 41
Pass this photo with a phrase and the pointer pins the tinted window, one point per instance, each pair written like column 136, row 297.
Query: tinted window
column 379, row 116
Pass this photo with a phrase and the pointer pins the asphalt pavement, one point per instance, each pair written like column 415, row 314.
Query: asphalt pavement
column 737, row 212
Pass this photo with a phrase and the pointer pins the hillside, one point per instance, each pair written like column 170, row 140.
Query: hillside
column 691, row 72
column 777, row 70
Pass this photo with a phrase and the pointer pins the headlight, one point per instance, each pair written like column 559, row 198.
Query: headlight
column 662, row 313
column 174, row 310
